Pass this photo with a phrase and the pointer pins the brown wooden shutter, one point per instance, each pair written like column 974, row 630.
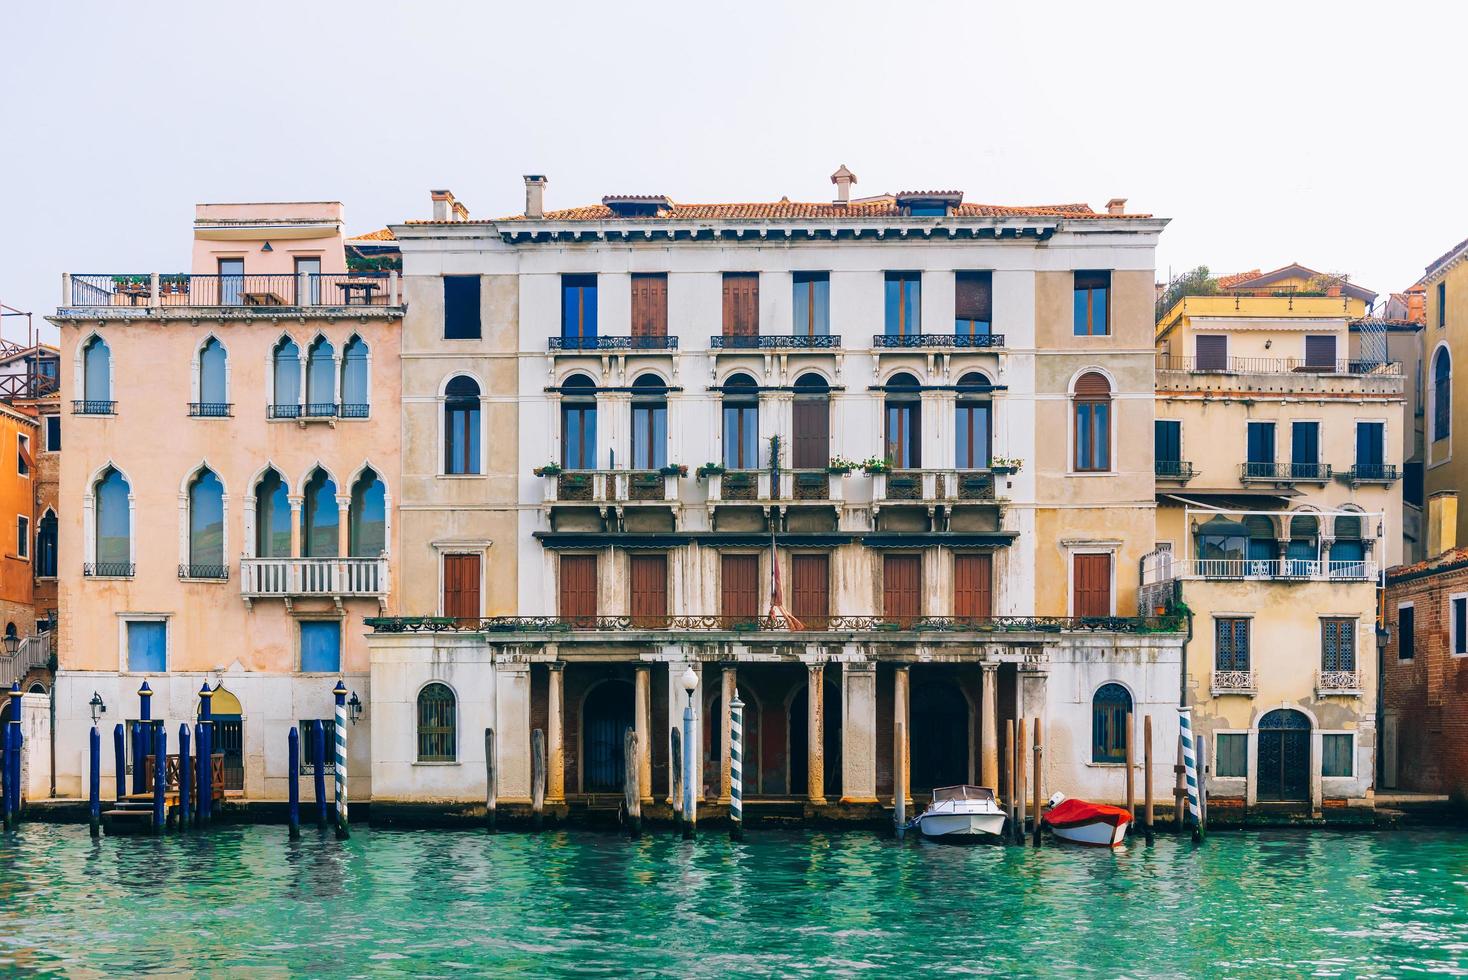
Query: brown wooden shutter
column 810, row 590
column 812, row 424
column 741, row 304
column 578, row 589
column 1092, row 587
column 649, row 591
column 650, row 305
column 973, row 586
column 973, row 296
column 461, row 586
column 739, row 582
column 1093, row 387
column 1320, row 351
column 1212, row 352
column 902, row 582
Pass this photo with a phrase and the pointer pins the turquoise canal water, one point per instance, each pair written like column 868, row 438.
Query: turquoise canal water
column 441, row 903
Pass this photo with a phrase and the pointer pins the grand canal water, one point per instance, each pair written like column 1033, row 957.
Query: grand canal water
column 244, row 899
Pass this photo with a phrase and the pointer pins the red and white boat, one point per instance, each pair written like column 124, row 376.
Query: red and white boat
column 1091, row 824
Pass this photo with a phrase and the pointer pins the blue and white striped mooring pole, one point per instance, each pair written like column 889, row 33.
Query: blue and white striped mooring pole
column 340, row 692
column 736, row 768
column 1190, row 767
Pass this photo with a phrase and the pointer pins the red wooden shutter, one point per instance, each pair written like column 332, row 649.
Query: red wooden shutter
column 810, row 600
column 1092, row 587
column 578, row 589
column 461, row 586
column 812, row 425
column 741, row 304
column 973, row 586
column 649, row 591
column 650, row 305
column 739, row 581
column 902, row 580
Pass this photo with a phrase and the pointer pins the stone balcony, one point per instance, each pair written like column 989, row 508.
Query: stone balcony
column 1233, row 682
column 314, row 578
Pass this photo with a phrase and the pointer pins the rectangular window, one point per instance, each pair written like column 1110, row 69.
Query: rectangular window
column 1212, row 352
column 461, row 307
column 578, row 306
column 1093, row 436
column 1305, row 450
column 1459, row 623
column 231, row 282
column 741, row 436
column 1337, row 754
column 973, row 586
column 973, row 302
column 972, row 435
column 812, row 304
column 1320, row 352
column 1406, row 633
column 902, row 587
column 1231, row 644
column 904, row 303
column 321, row 646
column 649, row 435
column 23, row 537
column 1370, row 448
column 147, row 646
column 461, row 586
column 649, row 575
column 904, row 435
column 23, row 460
column 1442, row 304
column 53, row 433
column 810, row 600
column 1232, row 755
column 1167, row 444
column 1260, row 449
column 307, row 732
column 1338, row 644
column 649, row 304
column 739, row 583
column 578, row 435
column 741, row 304
column 1092, row 312
column 308, row 281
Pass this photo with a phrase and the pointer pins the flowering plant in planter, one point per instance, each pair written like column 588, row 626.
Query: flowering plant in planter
column 841, row 465
column 674, row 469
column 1006, row 464
column 549, row 469
column 710, row 469
column 876, row 464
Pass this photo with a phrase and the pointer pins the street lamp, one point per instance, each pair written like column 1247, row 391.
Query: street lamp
column 690, row 683
column 355, row 707
column 12, row 643
column 98, row 707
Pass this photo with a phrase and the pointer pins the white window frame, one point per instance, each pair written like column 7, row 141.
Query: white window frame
column 1320, row 768
column 23, row 536
column 23, row 449
column 1113, row 468
column 123, row 618
column 1275, row 423
column 480, row 548
column 1452, row 624
column 1319, row 438
column 46, row 440
column 1107, row 548
column 441, row 469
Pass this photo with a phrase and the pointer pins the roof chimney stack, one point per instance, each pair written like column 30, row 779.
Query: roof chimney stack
column 534, row 196
column 843, row 179
column 1117, row 205
column 1442, row 522
column 443, row 205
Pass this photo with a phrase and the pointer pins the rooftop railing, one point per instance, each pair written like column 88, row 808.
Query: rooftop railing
column 273, row 290
column 830, row 624
column 1277, row 365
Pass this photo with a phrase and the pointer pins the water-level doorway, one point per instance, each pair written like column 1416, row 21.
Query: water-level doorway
column 1284, row 757
column 799, row 713
column 606, row 714
column 940, row 739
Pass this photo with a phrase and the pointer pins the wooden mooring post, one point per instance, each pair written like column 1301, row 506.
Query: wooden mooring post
column 1147, row 777
column 1009, row 771
column 1021, row 765
column 631, row 791
column 899, row 782
column 491, row 790
column 675, row 773
column 537, row 778
column 1131, row 761
column 1039, row 781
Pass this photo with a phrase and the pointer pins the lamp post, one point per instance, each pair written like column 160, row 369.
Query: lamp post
column 354, row 705
column 12, row 643
column 98, row 706
column 690, row 684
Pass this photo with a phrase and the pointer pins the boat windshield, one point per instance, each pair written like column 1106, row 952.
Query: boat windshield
column 962, row 793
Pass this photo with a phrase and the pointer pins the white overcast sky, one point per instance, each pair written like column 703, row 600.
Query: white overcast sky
column 1328, row 134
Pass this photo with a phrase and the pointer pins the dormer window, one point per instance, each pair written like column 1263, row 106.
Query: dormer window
column 929, row 204
column 636, row 205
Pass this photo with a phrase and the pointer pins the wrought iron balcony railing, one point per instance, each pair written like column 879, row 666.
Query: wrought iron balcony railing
column 571, row 344
column 1285, row 472
column 1372, row 473
column 93, row 406
column 829, row 624
column 210, row 410
column 108, row 569
column 610, row 486
column 1174, row 469
column 762, row 341
column 1233, row 682
column 974, row 341
column 273, row 290
column 213, row 573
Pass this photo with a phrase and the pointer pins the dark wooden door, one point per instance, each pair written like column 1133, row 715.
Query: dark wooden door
column 810, row 584
column 461, row 586
column 229, row 740
column 607, row 716
column 650, row 305
column 739, row 581
column 1092, row 585
column 973, row 586
column 812, row 425
column 1284, row 757
column 902, row 587
column 741, row 304
column 649, row 590
column 578, row 589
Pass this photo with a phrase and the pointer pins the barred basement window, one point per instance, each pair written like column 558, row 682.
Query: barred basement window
column 308, row 746
column 1109, row 709
column 436, row 730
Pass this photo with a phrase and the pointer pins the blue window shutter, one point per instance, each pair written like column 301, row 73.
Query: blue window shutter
column 147, row 647
column 321, row 646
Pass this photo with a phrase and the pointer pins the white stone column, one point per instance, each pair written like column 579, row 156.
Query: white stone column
column 343, row 530
column 989, row 728
column 901, row 732
column 642, row 720
column 859, row 732
column 555, row 739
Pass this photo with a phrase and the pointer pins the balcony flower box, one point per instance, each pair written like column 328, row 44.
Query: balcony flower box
column 674, row 469
column 709, row 470
column 549, row 469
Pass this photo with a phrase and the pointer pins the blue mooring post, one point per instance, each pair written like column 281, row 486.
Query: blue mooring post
column 142, row 736
column 119, row 752
column 318, row 760
column 17, row 740
column 185, row 777
column 293, row 780
column 199, row 756
column 206, row 754
column 94, row 780
column 160, row 775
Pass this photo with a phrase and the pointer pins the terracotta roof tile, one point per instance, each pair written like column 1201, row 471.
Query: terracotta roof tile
column 1228, row 282
column 381, row 235
column 880, row 207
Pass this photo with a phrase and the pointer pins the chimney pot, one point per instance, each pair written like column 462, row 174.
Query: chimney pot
column 535, row 195
column 843, row 179
column 1442, row 522
column 1117, row 205
column 443, row 205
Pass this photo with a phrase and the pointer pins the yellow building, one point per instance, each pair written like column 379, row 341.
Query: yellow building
column 1445, row 345
column 1279, row 444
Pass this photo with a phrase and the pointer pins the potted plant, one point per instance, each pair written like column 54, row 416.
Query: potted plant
column 1005, row 465
column 674, row 469
column 840, row 465
column 710, row 469
column 549, row 469
column 875, row 465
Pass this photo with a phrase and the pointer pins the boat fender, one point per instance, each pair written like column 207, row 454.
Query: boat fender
column 1055, row 800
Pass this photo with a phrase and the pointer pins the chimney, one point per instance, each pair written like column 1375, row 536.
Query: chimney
column 1442, row 522
column 1117, row 205
column 534, row 196
column 843, row 179
column 443, row 205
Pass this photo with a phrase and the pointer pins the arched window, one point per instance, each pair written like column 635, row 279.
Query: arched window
column 811, row 424
column 367, row 519
column 1109, row 710
column 46, row 546
column 1303, row 551
column 741, row 423
column 1348, row 550
column 97, row 377
column 206, row 527
column 1092, row 424
column 321, row 378
column 1263, row 542
column 972, row 429
column 114, row 525
column 649, row 423
column 437, row 740
column 903, row 436
column 320, row 518
column 286, row 373
column 272, row 517
column 1442, row 395
column 213, row 387
column 355, row 401
column 461, row 426
column 578, row 423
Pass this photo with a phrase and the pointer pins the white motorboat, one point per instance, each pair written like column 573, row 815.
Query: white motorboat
column 962, row 812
